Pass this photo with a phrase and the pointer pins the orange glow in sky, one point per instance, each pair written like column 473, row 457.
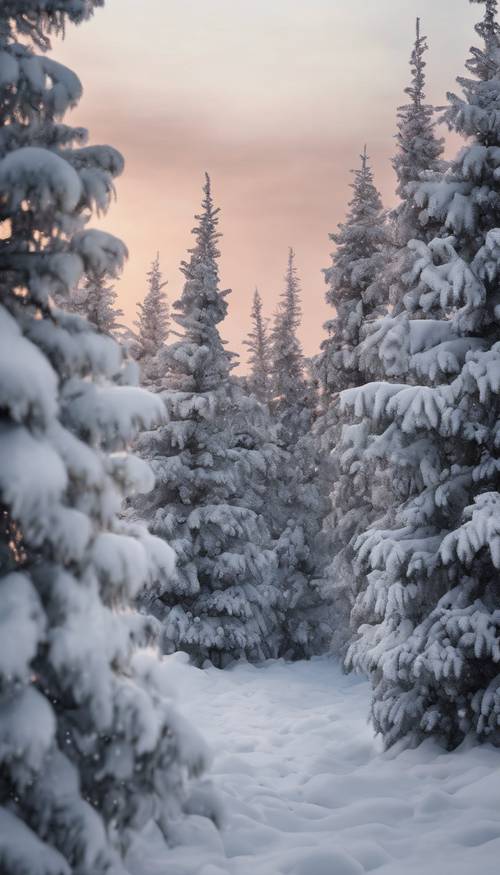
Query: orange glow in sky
column 275, row 98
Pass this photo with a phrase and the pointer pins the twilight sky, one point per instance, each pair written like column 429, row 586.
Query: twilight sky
column 274, row 98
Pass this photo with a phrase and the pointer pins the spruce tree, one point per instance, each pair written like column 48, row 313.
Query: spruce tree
column 295, row 506
column 259, row 358
column 384, row 350
column 95, row 299
column 209, row 471
column 291, row 393
column 354, row 289
column 428, row 616
column 90, row 751
column 352, row 282
column 152, row 330
column 419, row 149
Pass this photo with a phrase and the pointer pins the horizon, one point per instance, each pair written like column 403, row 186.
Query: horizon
column 278, row 120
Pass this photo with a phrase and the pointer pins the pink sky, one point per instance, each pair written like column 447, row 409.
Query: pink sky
column 274, row 98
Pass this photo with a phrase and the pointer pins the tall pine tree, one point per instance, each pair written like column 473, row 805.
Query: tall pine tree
column 152, row 329
column 291, row 394
column 352, row 282
column 295, row 508
column 428, row 616
column 259, row 353
column 209, row 475
column 89, row 751
column 384, row 351
column 358, row 297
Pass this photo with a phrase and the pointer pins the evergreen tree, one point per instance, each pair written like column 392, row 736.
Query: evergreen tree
column 291, row 391
column 89, row 751
column 428, row 615
column 352, row 282
column 152, row 330
column 384, row 350
column 295, row 507
column 354, row 289
column 419, row 149
column 95, row 299
column 210, row 468
column 259, row 359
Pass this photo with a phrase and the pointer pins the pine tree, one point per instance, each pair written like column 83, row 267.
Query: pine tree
column 428, row 615
column 419, row 149
column 259, row 359
column 384, row 350
column 152, row 330
column 210, row 470
column 295, row 507
column 352, row 288
column 90, row 751
column 358, row 297
column 95, row 299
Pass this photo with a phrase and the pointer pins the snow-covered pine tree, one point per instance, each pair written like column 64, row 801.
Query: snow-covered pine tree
column 259, row 353
column 295, row 506
column 384, row 351
column 89, row 750
column 152, row 330
column 357, row 263
column 430, row 614
column 95, row 299
column 419, row 149
column 209, row 470
column 355, row 290
column 291, row 396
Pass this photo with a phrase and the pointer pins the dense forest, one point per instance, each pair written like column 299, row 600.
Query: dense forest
column 158, row 500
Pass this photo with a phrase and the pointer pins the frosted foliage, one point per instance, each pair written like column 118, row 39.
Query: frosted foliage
column 211, row 462
column 152, row 329
column 428, row 609
column 89, row 751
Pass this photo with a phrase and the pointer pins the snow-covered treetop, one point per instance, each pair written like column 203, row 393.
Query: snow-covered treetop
column 358, row 237
column 153, row 325
column 287, row 354
column 199, row 359
column 418, row 147
column 489, row 31
column 259, row 352
column 479, row 114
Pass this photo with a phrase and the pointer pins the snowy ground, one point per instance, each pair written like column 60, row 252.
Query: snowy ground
column 307, row 790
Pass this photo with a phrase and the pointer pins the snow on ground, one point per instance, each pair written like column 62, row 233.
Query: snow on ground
column 308, row 791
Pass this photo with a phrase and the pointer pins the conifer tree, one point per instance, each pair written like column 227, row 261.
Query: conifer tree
column 428, row 616
column 89, row 751
column 384, row 350
column 95, row 299
column 352, row 282
column 259, row 359
column 210, row 468
column 291, row 390
column 419, row 149
column 295, row 508
column 152, row 330
column 358, row 297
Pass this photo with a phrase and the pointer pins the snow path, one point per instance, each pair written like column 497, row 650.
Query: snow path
column 307, row 790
